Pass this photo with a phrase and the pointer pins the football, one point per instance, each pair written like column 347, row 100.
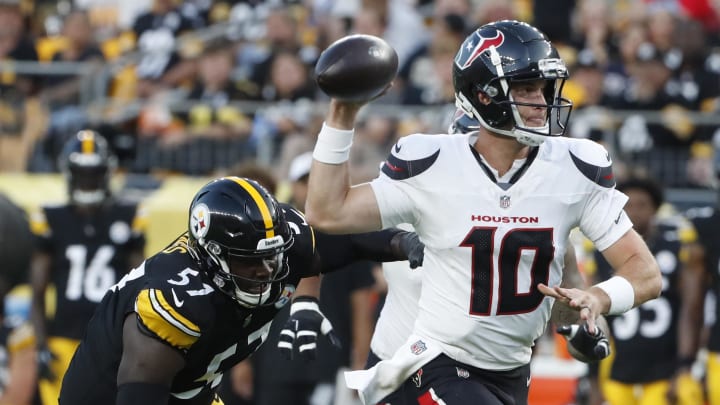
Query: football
column 356, row 68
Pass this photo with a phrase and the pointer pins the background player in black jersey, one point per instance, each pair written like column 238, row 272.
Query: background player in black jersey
column 167, row 331
column 707, row 223
column 656, row 343
column 82, row 249
column 18, row 373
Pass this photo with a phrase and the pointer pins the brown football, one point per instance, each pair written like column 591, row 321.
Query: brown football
column 356, row 68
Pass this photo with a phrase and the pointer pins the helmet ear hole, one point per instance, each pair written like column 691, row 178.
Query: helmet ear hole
column 483, row 98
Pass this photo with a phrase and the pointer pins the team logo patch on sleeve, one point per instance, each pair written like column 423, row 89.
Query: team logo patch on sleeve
column 399, row 169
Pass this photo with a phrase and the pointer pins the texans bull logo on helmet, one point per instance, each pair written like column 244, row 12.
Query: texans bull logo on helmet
column 474, row 48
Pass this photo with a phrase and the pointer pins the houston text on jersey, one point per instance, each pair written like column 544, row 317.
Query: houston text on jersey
column 504, row 220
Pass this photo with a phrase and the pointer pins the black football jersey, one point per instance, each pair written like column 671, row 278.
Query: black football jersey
column 156, row 39
column 645, row 337
column 707, row 223
column 176, row 302
column 89, row 254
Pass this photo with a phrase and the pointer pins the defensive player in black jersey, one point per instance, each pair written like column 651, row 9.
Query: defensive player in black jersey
column 656, row 343
column 83, row 248
column 707, row 223
column 167, row 332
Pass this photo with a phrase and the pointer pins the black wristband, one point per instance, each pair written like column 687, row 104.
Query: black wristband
column 142, row 393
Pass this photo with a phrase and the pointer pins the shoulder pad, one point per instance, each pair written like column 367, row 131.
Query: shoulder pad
column 301, row 256
column 303, row 233
column 21, row 337
column 712, row 62
column 687, row 234
column 140, row 220
column 411, row 155
column 159, row 312
column 593, row 161
column 680, row 225
column 175, row 304
column 39, row 223
column 179, row 245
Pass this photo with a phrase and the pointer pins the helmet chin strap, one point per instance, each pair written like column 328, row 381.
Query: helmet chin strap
column 523, row 135
column 517, row 132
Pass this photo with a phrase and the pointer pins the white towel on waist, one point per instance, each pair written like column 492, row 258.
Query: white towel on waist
column 386, row 376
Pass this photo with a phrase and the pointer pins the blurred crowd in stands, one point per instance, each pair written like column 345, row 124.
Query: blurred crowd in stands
column 197, row 87
column 207, row 88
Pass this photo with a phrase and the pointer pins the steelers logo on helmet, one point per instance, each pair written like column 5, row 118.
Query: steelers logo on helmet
column 200, row 221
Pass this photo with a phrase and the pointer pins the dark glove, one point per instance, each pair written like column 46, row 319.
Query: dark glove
column 583, row 345
column 302, row 328
column 410, row 245
column 44, row 358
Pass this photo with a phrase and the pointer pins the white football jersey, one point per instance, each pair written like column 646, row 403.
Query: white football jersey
column 400, row 309
column 486, row 246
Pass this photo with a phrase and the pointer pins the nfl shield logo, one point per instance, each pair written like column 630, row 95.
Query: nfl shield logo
column 505, row 201
column 418, row 347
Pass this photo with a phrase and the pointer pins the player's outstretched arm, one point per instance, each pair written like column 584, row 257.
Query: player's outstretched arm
column 147, row 367
column 632, row 261
column 332, row 204
column 389, row 245
column 637, row 279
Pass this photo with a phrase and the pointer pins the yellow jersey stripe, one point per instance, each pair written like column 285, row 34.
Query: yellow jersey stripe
column 38, row 223
column 260, row 202
column 158, row 316
column 140, row 222
column 88, row 142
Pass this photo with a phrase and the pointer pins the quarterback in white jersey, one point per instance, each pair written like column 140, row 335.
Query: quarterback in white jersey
column 486, row 247
column 400, row 309
column 494, row 210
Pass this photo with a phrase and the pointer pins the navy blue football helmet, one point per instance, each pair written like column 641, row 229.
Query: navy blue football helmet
column 494, row 57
